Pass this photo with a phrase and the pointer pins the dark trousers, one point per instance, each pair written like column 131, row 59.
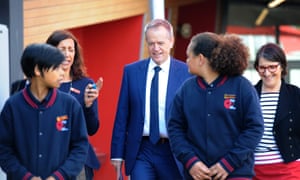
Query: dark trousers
column 155, row 162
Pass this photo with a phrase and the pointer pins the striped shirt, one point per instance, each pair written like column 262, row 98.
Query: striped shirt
column 267, row 151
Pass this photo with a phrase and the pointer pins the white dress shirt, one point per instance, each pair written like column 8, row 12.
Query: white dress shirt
column 162, row 94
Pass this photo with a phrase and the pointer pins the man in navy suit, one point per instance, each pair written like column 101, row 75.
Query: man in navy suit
column 131, row 143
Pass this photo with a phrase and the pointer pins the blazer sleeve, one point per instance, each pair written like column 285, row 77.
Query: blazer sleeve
column 119, row 129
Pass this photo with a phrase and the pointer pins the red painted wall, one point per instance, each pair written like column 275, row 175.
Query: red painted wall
column 201, row 16
column 107, row 47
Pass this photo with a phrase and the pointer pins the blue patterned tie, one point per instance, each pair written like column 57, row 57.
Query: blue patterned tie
column 154, row 124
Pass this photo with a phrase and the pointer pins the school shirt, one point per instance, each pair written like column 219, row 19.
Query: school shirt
column 47, row 138
column 163, row 86
column 218, row 122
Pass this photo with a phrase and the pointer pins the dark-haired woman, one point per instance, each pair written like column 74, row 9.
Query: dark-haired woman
column 81, row 87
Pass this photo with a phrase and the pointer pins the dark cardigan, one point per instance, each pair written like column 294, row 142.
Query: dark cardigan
column 286, row 129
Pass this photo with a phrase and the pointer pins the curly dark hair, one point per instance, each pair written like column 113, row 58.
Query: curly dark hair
column 272, row 52
column 78, row 69
column 226, row 54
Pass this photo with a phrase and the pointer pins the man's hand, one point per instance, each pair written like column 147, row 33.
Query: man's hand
column 117, row 165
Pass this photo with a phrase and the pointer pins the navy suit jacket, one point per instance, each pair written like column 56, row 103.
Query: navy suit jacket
column 129, row 120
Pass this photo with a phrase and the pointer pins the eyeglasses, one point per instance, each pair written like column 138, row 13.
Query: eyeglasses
column 270, row 68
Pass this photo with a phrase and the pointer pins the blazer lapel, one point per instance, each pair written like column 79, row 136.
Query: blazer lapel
column 141, row 78
column 172, row 85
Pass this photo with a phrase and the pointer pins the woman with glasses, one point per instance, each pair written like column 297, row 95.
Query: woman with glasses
column 277, row 156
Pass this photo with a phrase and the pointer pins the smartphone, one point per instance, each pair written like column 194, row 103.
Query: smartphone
column 94, row 86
